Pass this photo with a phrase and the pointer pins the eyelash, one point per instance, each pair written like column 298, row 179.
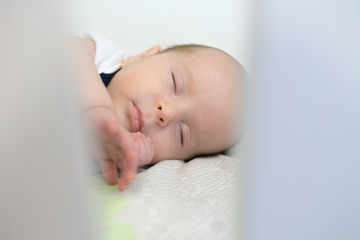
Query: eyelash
column 174, row 81
column 181, row 136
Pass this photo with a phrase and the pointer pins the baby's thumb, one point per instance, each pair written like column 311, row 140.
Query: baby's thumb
column 147, row 152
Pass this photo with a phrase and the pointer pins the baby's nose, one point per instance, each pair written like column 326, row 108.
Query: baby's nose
column 165, row 114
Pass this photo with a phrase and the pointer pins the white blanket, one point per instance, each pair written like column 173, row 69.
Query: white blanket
column 179, row 200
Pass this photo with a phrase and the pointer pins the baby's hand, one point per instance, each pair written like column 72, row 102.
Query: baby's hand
column 118, row 147
column 145, row 148
column 114, row 146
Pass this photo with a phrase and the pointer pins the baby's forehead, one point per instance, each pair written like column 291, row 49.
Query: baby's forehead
column 201, row 53
column 212, row 72
column 214, row 61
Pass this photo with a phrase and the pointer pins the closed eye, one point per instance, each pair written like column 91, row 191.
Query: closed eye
column 174, row 81
column 181, row 135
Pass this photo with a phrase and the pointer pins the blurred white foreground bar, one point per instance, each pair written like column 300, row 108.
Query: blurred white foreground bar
column 42, row 186
column 303, row 170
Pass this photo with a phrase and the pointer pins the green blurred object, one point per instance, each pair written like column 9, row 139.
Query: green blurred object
column 110, row 202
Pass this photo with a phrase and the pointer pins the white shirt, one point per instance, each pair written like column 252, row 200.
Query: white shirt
column 108, row 56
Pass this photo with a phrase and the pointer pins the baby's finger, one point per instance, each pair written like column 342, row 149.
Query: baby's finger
column 105, row 128
column 147, row 152
column 122, row 183
column 150, row 150
column 109, row 171
column 131, row 164
column 111, row 127
column 142, row 151
column 130, row 156
column 121, row 139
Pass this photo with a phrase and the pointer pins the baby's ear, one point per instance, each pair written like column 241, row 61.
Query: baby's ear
column 151, row 51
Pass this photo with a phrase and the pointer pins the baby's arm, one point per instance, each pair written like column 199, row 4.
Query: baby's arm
column 117, row 147
column 94, row 92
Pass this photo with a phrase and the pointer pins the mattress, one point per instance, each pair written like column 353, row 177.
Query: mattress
column 174, row 199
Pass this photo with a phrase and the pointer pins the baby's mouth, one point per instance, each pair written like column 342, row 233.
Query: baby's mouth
column 137, row 121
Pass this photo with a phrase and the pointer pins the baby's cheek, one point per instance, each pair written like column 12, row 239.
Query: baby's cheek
column 163, row 150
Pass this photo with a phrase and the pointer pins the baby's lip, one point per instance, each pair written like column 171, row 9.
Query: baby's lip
column 137, row 121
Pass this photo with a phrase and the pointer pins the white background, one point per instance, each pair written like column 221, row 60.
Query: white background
column 139, row 24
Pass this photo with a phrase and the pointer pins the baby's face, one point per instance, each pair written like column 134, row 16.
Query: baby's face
column 184, row 102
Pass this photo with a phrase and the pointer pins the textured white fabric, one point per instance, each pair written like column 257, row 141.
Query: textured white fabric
column 108, row 56
column 179, row 200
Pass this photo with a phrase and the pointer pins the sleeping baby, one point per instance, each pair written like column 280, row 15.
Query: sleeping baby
column 176, row 103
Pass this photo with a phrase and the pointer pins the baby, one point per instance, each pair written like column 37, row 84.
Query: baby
column 178, row 103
